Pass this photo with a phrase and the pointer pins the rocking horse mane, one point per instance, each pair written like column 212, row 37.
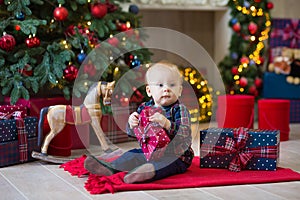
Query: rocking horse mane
column 92, row 96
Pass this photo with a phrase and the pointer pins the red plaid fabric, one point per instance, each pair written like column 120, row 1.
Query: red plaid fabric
column 9, row 153
column 22, row 140
column 237, row 146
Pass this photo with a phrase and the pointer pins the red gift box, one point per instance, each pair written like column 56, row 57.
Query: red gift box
column 12, row 108
column 152, row 138
column 235, row 111
column 36, row 104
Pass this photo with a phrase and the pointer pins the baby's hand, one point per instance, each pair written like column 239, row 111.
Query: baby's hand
column 133, row 119
column 161, row 120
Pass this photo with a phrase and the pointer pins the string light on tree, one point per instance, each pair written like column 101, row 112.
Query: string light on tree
column 202, row 111
column 251, row 25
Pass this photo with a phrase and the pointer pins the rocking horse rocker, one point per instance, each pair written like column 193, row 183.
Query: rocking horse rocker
column 58, row 116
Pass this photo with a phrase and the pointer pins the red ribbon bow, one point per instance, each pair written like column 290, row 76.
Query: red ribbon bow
column 237, row 146
column 290, row 32
column 152, row 138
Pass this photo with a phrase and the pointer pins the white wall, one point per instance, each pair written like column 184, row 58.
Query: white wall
column 286, row 9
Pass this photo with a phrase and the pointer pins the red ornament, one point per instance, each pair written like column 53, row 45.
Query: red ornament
column 244, row 60
column 258, row 82
column 32, row 42
column 137, row 96
column 113, row 41
column 98, row 10
column 89, row 69
column 1, row 2
column 124, row 101
column 270, row 5
column 70, row 31
column 60, row 13
column 257, row 1
column 234, row 71
column 253, row 90
column 7, row 42
column 252, row 27
column 236, row 27
column 243, row 82
column 111, row 7
column 262, row 60
column 70, row 73
column 123, row 27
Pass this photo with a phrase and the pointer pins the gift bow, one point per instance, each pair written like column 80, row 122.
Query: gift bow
column 8, row 115
column 290, row 32
column 150, row 135
column 22, row 133
column 237, row 146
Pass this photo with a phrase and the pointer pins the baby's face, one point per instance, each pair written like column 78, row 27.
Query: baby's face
column 164, row 86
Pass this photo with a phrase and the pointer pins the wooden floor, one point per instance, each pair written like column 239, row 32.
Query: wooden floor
column 39, row 180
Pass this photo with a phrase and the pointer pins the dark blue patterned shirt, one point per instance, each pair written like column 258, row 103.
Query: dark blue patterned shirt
column 179, row 132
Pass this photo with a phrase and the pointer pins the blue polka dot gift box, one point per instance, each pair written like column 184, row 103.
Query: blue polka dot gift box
column 18, row 136
column 239, row 149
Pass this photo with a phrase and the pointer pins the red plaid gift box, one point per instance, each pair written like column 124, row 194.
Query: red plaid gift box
column 152, row 138
column 285, row 33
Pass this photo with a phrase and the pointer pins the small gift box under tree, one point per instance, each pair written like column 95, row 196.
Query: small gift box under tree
column 18, row 135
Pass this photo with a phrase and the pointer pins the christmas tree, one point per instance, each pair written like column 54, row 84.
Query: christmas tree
column 44, row 43
column 242, row 69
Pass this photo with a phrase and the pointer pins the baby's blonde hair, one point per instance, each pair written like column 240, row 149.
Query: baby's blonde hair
column 163, row 63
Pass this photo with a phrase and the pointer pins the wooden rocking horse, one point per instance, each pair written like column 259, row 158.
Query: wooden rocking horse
column 57, row 115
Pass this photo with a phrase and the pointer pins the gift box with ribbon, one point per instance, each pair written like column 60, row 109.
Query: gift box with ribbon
column 71, row 137
column 239, row 148
column 10, row 109
column 152, row 138
column 285, row 32
column 18, row 136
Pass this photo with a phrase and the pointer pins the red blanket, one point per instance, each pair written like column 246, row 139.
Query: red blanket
column 194, row 177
